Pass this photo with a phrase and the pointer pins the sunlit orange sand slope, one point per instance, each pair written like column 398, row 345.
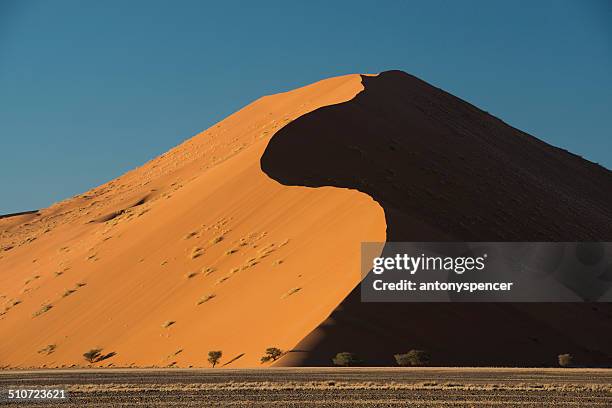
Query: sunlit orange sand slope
column 197, row 250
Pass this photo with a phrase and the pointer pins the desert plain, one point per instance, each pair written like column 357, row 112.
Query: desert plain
column 320, row 387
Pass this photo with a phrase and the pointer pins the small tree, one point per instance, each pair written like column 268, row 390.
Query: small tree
column 346, row 359
column 93, row 355
column 566, row 360
column 413, row 358
column 272, row 354
column 214, row 357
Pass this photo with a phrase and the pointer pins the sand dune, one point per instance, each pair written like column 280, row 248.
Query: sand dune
column 247, row 236
column 196, row 250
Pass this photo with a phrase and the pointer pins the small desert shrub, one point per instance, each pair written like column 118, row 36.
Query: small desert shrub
column 231, row 251
column 346, row 359
column 566, row 360
column 206, row 298
column 413, row 358
column 43, row 309
column 50, row 348
column 93, row 355
column 191, row 275
column 272, row 354
column 168, row 323
column 214, row 357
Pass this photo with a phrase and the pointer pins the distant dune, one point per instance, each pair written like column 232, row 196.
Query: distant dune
column 247, row 236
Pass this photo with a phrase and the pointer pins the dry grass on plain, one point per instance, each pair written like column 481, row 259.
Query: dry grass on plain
column 323, row 387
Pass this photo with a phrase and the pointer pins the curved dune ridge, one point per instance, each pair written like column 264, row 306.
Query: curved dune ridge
column 443, row 170
column 247, row 236
column 197, row 250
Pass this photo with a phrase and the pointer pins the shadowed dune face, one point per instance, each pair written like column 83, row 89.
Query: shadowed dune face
column 445, row 170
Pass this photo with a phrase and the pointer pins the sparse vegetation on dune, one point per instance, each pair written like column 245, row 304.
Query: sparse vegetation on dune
column 48, row 349
column 214, row 357
column 92, row 355
column 414, row 358
column 566, row 360
column 346, row 359
column 272, row 354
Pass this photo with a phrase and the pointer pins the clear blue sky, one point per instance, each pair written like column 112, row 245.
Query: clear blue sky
column 91, row 89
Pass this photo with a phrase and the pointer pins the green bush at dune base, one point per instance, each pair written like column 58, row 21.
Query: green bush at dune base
column 346, row 359
column 413, row 358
